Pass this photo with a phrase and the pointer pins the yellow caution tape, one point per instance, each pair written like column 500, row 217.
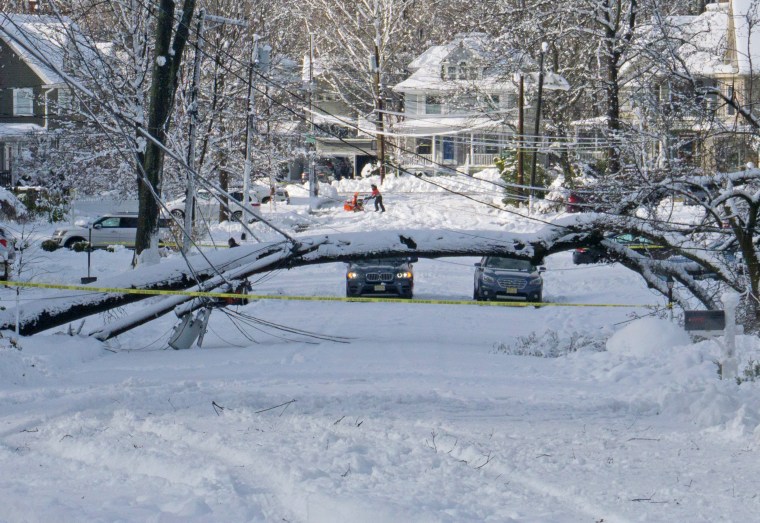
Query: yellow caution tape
column 224, row 295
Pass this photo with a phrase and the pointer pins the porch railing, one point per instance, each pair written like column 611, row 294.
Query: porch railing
column 417, row 160
column 481, row 159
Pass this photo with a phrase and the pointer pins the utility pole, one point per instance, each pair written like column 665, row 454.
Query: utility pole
column 313, row 188
column 520, row 135
column 264, row 63
column 536, row 127
column 193, row 111
column 189, row 221
column 375, row 67
column 250, row 127
column 380, row 110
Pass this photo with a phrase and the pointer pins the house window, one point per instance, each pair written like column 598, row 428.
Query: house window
column 730, row 95
column 463, row 71
column 432, row 104
column 424, row 146
column 491, row 144
column 452, row 72
column 23, row 102
column 64, row 100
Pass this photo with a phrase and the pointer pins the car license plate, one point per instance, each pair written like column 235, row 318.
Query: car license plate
column 380, row 288
column 511, row 290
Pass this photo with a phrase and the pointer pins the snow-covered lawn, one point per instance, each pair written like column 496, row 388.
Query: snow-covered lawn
column 414, row 412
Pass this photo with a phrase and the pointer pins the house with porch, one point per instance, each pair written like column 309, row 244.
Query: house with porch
column 34, row 98
column 717, row 51
column 459, row 109
column 338, row 133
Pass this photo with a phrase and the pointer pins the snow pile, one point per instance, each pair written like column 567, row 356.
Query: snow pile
column 659, row 370
column 647, row 338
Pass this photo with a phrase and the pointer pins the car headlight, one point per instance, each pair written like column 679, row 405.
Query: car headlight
column 352, row 275
column 535, row 281
column 488, row 279
column 59, row 232
column 403, row 275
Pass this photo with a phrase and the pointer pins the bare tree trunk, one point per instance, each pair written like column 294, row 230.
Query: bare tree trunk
column 168, row 57
column 615, row 44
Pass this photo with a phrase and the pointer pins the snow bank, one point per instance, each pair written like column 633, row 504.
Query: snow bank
column 46, row 356
column 659, row 370
column 647, row 337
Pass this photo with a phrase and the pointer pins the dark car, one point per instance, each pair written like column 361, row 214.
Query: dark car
column 727, row 252
column 498, row 278
column 597, row 254
column 380, row 277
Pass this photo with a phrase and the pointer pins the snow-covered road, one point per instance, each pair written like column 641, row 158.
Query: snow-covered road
column 437, row 413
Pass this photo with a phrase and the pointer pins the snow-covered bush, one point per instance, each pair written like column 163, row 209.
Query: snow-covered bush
column 11, row 207
column 549, row 344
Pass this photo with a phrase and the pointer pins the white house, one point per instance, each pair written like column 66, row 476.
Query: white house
column 717, row 50
column 460, row 107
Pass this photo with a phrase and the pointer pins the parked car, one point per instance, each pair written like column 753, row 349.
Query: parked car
column 728, row 253
column 380, row 277
column 597, row 254
column 503, row 278
column 207, row 205
column 109, row 229
column 264, row 193
column 7, row 251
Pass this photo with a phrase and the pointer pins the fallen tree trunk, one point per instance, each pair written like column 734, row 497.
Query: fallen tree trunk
column 244, row 261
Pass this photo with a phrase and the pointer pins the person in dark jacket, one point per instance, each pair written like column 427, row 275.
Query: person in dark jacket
column 378, row 199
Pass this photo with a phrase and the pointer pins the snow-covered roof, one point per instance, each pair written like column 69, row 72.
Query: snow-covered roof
column 725, row 39
column 11, row 130
column 705, row 40
column 745, row 15
column 426, row 125
column 426, row 68
column 47, row 36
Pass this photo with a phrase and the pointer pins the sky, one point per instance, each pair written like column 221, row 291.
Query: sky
column 594, row 407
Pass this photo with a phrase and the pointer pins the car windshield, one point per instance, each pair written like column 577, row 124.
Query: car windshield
column 386, row 261
column 630, row 238
column 511, row 264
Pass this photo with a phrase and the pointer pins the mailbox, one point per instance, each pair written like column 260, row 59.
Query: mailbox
column 704, row 320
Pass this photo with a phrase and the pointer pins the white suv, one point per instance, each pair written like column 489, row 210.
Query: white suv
column 264, row 193
column 109, row 229
column 207, row 205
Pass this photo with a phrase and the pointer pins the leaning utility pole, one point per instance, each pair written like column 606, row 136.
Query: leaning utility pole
column 189, row 221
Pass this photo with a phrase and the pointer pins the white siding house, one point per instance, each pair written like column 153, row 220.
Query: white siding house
column 459, row 110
